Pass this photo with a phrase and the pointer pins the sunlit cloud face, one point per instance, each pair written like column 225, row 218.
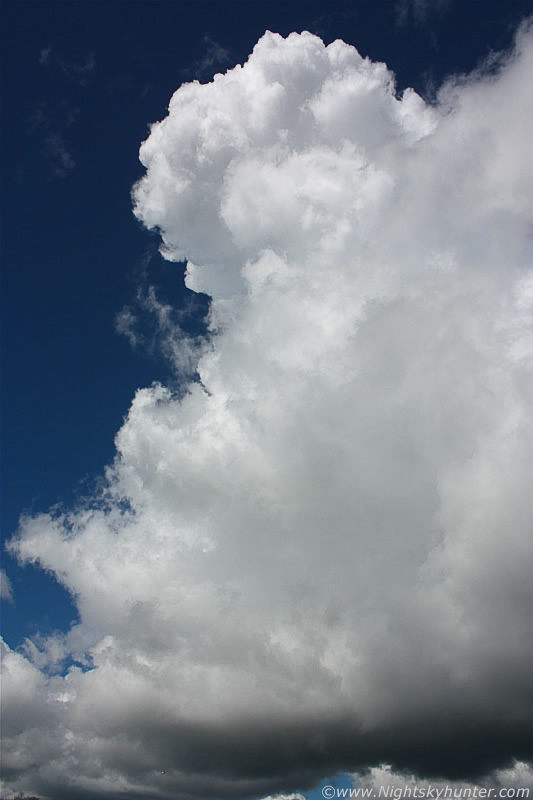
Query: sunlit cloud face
column 320, row 557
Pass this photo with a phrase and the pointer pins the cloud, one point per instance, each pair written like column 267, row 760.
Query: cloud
column 51, row 123
column 6, row 592
column 420, row 10
column 55, row 149
column 50, row 126
column 387, row 783
column 78, row 72
column 151, row 325
column 214, row 56
column 319, row 557
column 297, row 796
column 45, row 55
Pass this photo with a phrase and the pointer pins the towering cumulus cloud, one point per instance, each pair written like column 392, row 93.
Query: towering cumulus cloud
column 319, row 557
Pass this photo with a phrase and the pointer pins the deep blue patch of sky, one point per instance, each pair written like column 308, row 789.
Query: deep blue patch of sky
column 80, row 82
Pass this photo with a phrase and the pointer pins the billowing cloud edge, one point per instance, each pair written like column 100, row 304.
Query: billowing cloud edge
column 299, row 566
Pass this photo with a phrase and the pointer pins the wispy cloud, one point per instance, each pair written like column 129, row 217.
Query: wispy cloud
column 151, row 325
column 51, row 122
column 76, row 71
column 420, row 11
column 214, row 56
column 6, row 592
column 55, row 149
column 51, row 126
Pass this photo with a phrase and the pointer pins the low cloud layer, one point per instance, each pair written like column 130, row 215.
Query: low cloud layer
column 320, row 557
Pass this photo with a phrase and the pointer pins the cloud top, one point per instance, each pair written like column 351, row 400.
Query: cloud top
column 319, row 558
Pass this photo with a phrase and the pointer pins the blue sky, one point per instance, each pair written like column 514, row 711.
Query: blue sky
column 92, row 313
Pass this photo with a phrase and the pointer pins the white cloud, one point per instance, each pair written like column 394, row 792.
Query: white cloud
column 385, row 782
column 297, row 796
column 320, row 557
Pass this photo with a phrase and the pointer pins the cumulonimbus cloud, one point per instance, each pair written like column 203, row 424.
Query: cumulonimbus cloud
column 320, row 557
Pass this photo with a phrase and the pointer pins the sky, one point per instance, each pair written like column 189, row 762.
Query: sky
column 266, row 397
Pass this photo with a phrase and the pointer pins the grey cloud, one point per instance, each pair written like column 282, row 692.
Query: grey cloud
column 6, row 592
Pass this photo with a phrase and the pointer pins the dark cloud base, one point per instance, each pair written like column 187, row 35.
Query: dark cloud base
column 461, row 749
column 246, row 760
